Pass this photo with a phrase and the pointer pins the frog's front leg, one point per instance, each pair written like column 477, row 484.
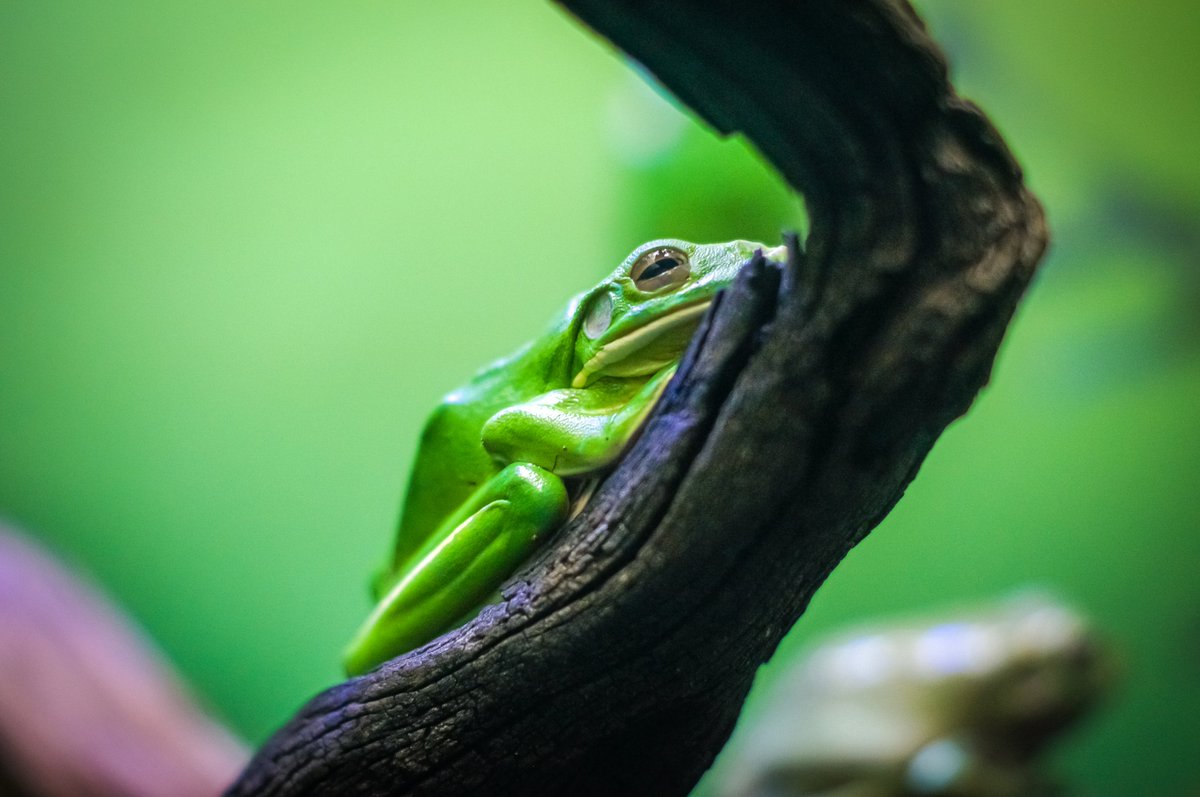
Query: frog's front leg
column 574, row 431
column 465, row 561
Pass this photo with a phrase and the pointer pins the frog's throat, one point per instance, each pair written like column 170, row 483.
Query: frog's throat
column 622, row 348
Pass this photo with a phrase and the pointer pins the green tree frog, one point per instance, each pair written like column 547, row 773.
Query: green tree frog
column 502, row 459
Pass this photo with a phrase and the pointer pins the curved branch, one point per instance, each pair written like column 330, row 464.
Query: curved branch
column 619, row 659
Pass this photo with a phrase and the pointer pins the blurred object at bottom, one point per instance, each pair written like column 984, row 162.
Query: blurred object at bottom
column 87, row 707
column 961, row 706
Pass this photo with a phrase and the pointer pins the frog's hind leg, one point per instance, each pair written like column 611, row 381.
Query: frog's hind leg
column 465, row 562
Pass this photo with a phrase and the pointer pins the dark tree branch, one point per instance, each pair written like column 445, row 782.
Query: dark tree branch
column 619, row 660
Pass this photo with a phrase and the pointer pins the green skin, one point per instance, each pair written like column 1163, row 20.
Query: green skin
column 488, row 484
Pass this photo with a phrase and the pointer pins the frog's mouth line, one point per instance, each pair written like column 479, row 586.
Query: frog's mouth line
column 620, row 349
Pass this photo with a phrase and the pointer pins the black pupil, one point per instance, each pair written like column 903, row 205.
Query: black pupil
column 658, row 268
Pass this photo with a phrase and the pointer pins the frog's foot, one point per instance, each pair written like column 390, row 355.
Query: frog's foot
column 472, row 554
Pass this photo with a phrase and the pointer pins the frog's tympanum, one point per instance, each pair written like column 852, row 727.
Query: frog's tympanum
column 502, row 459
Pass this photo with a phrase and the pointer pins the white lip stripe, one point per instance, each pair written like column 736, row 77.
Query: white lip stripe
column 620, row 349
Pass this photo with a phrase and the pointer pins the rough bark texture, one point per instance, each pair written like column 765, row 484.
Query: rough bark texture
column 620, row 658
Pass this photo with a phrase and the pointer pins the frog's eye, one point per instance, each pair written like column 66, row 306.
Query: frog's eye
column 660, row 268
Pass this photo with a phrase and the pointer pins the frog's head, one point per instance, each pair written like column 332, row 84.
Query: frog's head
column 641, row 318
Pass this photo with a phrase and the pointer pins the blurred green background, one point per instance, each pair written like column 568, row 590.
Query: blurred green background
column 245, row 247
